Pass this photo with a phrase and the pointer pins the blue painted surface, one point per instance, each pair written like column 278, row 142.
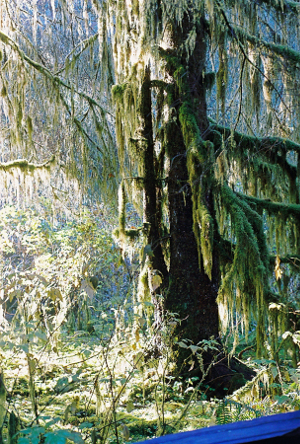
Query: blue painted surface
column 265, row 427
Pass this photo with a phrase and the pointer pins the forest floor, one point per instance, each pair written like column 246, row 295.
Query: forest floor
column 81, row 391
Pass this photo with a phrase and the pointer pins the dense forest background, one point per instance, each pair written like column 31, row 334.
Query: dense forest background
column 149, row 200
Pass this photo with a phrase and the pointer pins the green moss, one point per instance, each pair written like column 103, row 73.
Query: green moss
column 29, row 127
column 263, row 145
column 132, row 234
column 246, row 278
column 118, row 91
column 283, row 209
column 281, row 50
column 135, row 7
column 215, row 137
column 25, row 166
column 3, row 91
column 207, row 238
column 116, row 233
column 161, row 85
column 122, row 206
column 190, row 131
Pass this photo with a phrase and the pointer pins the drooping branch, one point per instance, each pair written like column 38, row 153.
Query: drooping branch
column 48, row 74
column 83, row 46
column 235, row 37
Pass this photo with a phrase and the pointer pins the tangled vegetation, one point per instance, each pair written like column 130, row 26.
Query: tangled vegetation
column 76, row 362
column 189, row 108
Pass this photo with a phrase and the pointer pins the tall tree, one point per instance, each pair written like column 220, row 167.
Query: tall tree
column 206, row 123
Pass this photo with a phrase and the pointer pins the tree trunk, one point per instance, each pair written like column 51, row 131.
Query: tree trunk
column 191, row 293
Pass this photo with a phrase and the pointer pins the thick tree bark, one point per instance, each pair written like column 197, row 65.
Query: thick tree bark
column 190, row 294
column 187, row 290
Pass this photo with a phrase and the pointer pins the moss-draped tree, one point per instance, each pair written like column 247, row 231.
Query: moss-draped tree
column 206, row 124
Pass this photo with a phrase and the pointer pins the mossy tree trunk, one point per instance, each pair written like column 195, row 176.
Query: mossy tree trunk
column 190, row 282
column 170, row 154
column 206, row 187
column 191, row 293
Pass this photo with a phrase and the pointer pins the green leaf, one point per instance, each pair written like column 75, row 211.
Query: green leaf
column 194, row 348
column 24, row 347
column 129, row 406
column 274, row 372
column 282, row 399
column 62, row 385
column 61, row 436
column 156, row 281
column 86, row 425
column 182, row 344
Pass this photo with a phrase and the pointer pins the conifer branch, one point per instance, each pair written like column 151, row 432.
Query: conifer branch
column 256, row 144
column 285, row 209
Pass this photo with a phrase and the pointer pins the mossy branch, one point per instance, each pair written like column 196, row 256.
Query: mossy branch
column 293, row 260
column 254, row 144
column 281, row 50
column 47, row 73
column 83, row 46
column 285, row 6
column 234, row 35
column 24, row 165
column 284, row 209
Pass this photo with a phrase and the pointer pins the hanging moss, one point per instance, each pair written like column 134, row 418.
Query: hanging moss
column 207, row 239
column 118, row 91
column 248, row 271
column 135, row 7
column 282, row 209
column 191, row 133
column 222, row 74
column 122, row 208
column 3, row 91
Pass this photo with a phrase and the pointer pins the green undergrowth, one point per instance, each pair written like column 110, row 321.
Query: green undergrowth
column 77, row 349
column 104, row 391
